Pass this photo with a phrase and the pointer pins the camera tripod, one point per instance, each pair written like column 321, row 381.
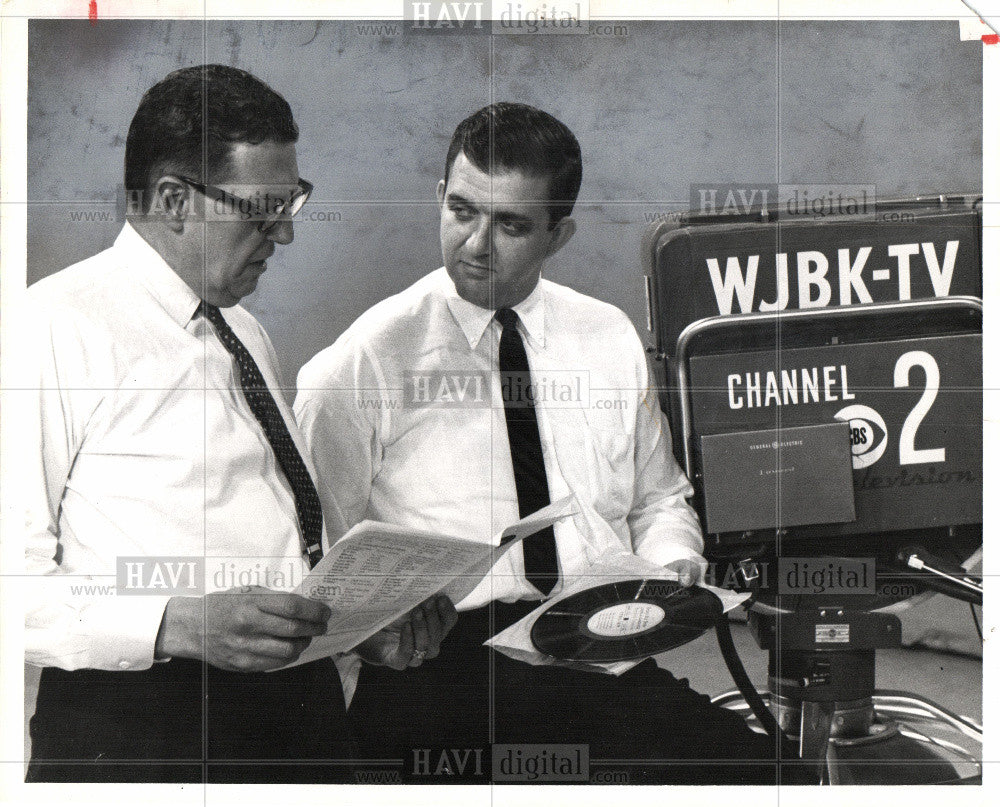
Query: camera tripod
column 821, row 681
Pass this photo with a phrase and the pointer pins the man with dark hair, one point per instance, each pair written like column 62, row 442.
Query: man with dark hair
column 484, row 351
column 513, row 137
column 169, row 461
column 234, row 106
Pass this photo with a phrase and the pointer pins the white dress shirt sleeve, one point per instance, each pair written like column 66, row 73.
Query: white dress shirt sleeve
column 71, row 621
column 340, row 409
column 341, row 428
column 663, row 525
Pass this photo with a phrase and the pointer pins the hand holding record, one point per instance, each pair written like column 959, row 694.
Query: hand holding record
column 688, row 571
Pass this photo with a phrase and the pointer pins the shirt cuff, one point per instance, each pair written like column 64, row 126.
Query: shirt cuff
column 664, row 553
column 124, row 637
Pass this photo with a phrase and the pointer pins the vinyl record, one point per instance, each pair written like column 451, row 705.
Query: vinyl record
column 624, row 621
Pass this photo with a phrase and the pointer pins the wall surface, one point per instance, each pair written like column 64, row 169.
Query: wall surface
column 657, row 106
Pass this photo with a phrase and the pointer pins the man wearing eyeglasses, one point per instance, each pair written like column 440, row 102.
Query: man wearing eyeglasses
column 169, row 464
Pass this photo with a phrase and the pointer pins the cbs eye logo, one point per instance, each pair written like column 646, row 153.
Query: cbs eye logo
column 866, row 427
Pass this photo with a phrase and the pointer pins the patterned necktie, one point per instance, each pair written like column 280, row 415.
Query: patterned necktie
column 541, row 566
column 265, row 409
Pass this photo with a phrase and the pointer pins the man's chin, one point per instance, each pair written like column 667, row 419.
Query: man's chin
column 247, row 284
column 227, row 298
column 480, row 292
column 478, row 297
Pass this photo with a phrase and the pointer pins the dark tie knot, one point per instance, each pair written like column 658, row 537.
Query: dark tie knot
column 506, row 317
column 211, row 312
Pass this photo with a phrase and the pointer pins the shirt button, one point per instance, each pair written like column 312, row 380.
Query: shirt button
column 123, row 665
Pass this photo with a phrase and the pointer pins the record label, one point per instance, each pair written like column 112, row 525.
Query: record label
column 625, row 619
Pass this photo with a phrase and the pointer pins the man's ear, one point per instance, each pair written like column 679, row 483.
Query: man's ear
column 171, row 202
column 561, row 233
column 440, row 192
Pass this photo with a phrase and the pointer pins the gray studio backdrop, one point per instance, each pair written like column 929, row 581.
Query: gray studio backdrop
column 657, row 106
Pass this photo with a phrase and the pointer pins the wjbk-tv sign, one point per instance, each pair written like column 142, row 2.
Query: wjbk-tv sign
column 851, row 252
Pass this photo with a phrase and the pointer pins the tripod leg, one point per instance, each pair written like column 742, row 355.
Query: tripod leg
column 814, row 733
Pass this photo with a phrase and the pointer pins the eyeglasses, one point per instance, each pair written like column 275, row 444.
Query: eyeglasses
column 267, row 208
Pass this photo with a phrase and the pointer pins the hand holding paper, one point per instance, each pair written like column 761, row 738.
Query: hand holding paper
column 413, row 638
column 377, row 573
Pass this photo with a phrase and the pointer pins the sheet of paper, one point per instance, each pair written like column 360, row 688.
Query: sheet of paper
column 613, row 566
column 463, row 585
column 378, row 572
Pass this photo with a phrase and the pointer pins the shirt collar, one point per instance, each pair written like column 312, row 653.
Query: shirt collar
column 177, row 297
column 474, row 320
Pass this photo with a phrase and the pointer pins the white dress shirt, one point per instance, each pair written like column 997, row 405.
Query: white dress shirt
column 140, row 443
column 405, row 424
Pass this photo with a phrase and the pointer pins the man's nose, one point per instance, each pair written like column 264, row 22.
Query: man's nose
column 283, row 232
column 479, row 239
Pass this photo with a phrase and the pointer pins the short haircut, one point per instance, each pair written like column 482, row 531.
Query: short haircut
column 516, row 137
column 188, row 123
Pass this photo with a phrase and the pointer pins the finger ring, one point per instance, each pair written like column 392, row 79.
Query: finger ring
column 418, row 656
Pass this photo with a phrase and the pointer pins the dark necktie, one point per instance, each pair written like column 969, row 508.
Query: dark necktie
column 540, row 560
column 265, row 409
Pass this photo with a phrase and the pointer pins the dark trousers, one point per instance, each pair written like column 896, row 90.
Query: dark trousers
column 442, row 719
column 185, row 721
